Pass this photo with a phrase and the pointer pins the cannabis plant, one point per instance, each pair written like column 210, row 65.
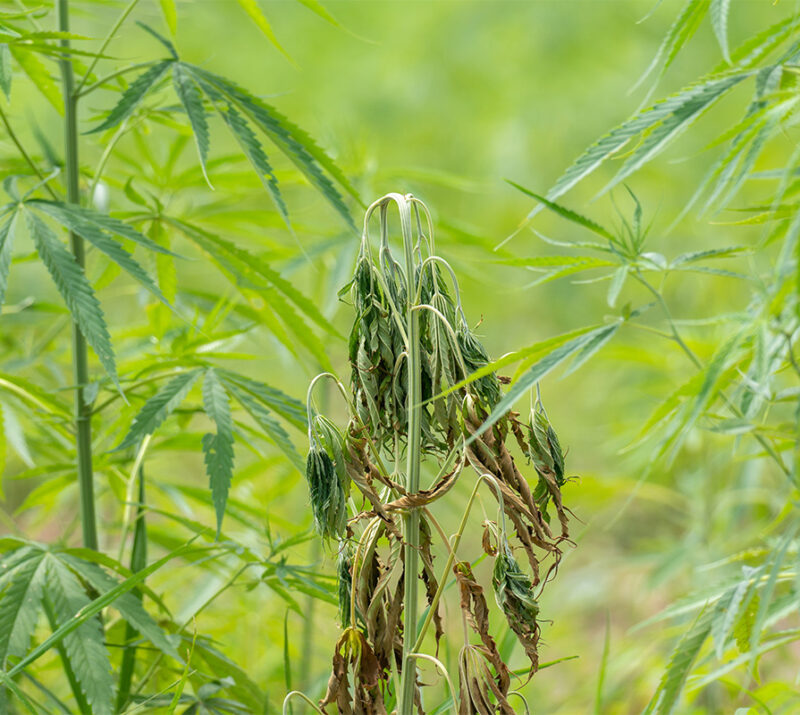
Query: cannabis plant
column 739, row 398
column 422, row 402
column 112, row 199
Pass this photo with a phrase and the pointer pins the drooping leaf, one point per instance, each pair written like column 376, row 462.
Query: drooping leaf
column 76, row 291
column 134, row 95
column 218, row 447
column 295, row 144
column 159, row 407
column 192, row 101
column 85, row 645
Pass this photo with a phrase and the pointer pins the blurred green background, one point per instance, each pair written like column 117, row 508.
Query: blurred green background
column 446, row 100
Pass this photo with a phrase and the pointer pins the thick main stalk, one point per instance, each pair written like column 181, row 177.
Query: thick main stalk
column 411, row 518
column 80, row 354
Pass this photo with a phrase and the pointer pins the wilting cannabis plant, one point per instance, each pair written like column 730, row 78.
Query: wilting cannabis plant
column 411, row 409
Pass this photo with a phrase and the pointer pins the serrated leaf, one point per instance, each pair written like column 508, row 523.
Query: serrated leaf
column 76, row 291
column 97, row 605
column 695, row 256
column 38, row 74
column 21, row 593
column 566, row 213
column 725, row 621
column 267, row 422
column 85, row 645
column 114, row 251
column 291, row 409
column 590, row 341
column 134, row 95
column 218, row 447
column 83, row 219
column 192, row 101
column 686, row 107
column 15, row 436
column 6, row 72
column 249, row 144
column 159, row 407
column 6, row 244
column 163, row 40
column 293, row 142
column 129, row 607
column 170, row 13
column 252, row 8
column 669, row 690
column 719, row 22
column 674, row 112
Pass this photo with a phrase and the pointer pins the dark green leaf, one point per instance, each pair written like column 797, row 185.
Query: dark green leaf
column 192, row 100
column 133, row 96
column 218, row 447
column 159, row 407
column 84, row 645
column 76, row 291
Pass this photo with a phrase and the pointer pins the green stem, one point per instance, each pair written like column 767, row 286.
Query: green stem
column 413, row 459
column 80, row 353
column 138, row 562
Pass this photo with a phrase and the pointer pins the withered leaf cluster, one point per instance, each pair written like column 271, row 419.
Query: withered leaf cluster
column 370, row 452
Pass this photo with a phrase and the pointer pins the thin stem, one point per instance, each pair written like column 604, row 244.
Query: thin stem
column 28, row 160
column 138, row 562
column 452, row 556
column 302, row 696
column 413, row 460
column 110, row 36
column 80, row 353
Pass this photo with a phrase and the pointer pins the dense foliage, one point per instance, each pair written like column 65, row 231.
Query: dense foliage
column 172, row 249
